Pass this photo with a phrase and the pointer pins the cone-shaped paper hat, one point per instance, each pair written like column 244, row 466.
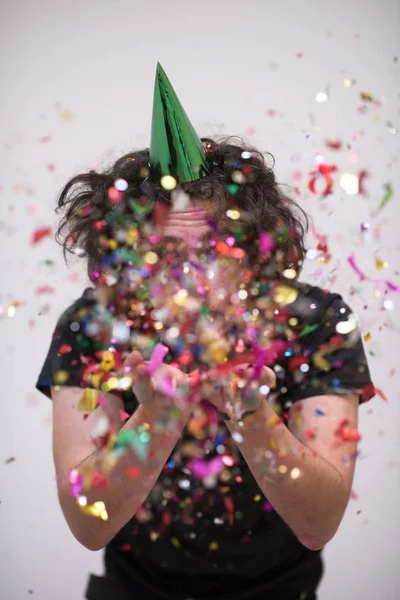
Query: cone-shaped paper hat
column 175, row 148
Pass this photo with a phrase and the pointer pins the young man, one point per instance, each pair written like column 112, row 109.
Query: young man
column 212, row 449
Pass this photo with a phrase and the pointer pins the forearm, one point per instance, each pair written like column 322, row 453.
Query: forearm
column 130, row 481
column 305, row 490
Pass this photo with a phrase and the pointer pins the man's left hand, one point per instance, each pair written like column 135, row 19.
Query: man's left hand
column 239, row 391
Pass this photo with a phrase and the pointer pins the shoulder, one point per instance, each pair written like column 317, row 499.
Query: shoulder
column 319, row 308
column 79, row 308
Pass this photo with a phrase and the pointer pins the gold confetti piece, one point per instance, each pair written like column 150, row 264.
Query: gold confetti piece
column 257, row 498
column 284, row 295
column 110, row 384
column 66, row 115
column 283, row 469
column 88, row 401
column 380, row 264
column 289, row 273
column 150, row 258
column 107, row 361
column 168, row 182
column 97, row 509
column 61, row 377
column 320, row 362
column 213, row 546
column 367, row 337
column 233, row 214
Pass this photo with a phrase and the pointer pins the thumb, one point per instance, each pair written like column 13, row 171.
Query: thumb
column 268, row 377
column 142, row 386
column 133, row 360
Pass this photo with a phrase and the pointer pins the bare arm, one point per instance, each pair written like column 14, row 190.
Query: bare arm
column 307, row 479
column 73, row 448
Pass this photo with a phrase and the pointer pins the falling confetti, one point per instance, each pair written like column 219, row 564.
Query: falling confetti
column 40, row 234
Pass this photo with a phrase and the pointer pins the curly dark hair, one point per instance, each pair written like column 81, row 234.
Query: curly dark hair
column 240, row 179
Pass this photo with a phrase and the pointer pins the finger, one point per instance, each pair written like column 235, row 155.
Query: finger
column 268, row 377
column 133, row 360
column 142, row 385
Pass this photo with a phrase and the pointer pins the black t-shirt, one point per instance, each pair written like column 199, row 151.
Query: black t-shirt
column 224, row 543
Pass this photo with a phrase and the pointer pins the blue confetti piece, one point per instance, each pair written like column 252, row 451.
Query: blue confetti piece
column 319, row 412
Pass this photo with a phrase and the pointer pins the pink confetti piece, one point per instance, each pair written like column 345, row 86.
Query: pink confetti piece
column 204, row 468
column 45, row 139
column 44, row 289
column 123, row 415
column 266, row 243
column 389, row 285
column 101, row 402
column 159, row 353
column 167, row 387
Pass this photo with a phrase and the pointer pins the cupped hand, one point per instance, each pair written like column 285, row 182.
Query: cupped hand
column 165, row 393
column 238, row 391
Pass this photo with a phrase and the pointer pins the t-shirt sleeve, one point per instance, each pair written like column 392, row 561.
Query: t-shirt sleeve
column 69, row 352
column 327, row 358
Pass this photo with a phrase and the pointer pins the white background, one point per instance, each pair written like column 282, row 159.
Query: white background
column 82, row 72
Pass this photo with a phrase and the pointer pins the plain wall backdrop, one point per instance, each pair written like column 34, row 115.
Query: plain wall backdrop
column 76, row 82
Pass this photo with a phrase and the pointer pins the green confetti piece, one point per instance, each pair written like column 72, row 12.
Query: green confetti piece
column 205, row 311
column 140, row 209
column 233, row 188
column 386, row 197
column 128, row 255
column 308, row 329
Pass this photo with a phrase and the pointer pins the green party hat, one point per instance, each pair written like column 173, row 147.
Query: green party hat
column 175, row 150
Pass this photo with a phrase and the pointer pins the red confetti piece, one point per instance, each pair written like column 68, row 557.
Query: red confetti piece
column 166, row 521
column 333, row 145
column 362, row 176
column 346, row 433
column 160, row 214
column 40, row 234
column 392, row 372
column 133, row 471
column 228, row 502
column 380, row 393
column 99, row 481
column 114, row 194
column 226, row 250
column 44, row 289
column 64, row 349
column 125, row 547
column 323, row 171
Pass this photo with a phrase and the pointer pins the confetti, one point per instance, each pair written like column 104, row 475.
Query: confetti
column 389, row 285
column 40, row 234
column 387, row 196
